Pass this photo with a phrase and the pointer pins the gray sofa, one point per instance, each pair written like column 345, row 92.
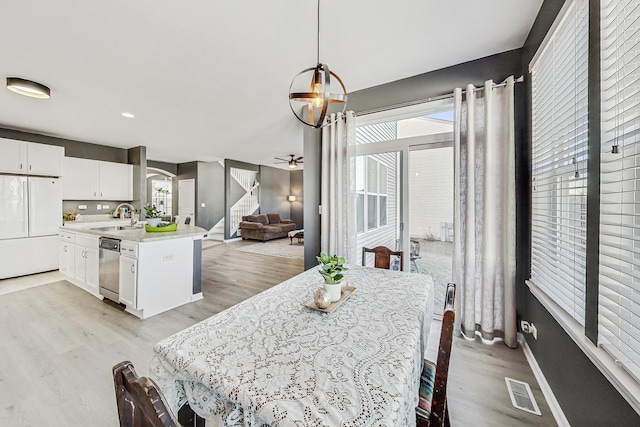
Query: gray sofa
column 265, row 227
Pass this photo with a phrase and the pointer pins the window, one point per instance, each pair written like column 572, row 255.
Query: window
column 619, row 291
column 372, row 200
column 559, row 161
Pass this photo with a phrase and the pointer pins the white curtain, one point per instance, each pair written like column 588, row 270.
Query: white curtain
column 484, row 211
column 337, row 228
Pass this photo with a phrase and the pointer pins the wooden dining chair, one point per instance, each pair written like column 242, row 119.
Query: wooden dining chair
column 141, row 403
column 382, row 257
column 432, row 407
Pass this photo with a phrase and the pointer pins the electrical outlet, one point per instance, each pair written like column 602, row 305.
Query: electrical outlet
column 533, row 330
column 99, row 207
column 168, row 257
column 82, row 207
column 525, row 326
column 105, row 206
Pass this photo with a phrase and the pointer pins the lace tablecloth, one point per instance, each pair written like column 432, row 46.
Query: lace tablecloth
column 271, row 361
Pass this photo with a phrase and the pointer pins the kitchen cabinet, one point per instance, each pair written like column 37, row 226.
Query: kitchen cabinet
column 128, row 275
column 86, row 264
column 85, row 179
column 67, row 255
column 29, row 158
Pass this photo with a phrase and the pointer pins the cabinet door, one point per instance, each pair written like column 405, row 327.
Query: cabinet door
column 14, row 156
column 91, row 272
column 80, row 264
column 116, row 181
column 128, row 281
column 44, row 159
column 79, row 179
column 67, row 259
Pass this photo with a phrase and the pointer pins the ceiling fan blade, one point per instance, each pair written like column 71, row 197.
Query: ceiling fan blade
column 284, row 160
column 298, row 159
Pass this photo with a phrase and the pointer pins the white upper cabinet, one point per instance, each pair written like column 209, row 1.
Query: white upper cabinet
column 85, row 179
column 29, row 158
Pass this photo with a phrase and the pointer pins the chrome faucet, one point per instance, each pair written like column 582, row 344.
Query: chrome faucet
column 131, row 209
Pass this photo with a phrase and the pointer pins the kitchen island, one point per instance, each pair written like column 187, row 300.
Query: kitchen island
column 157, row 271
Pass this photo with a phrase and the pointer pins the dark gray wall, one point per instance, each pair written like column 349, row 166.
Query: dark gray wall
column 585, row 395
column 296, row 189
column 311, row 188
column 83, row 150
column 187, row 170
column 210, row 191
column 172, row 168
column 274, row 191
column 228, row 202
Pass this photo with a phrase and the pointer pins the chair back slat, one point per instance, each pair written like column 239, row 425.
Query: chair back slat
column 382, row 257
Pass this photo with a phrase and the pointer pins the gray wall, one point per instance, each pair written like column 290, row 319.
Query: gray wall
column 585, row 395
column 274, row 191
column 296, row 189
column 210, row 191
column 187, row 170
column 83, row 150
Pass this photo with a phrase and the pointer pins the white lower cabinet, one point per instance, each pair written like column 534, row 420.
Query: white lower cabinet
column 128, row 275
column 87, row 258
column 67, row 255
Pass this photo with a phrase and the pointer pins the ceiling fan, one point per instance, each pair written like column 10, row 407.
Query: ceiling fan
column 293, row 161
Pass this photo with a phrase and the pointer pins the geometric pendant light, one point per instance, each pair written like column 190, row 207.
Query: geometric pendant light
column 311, row 87
column 28, row 88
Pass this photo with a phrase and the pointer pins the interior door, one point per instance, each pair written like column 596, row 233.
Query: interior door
column 186, row 199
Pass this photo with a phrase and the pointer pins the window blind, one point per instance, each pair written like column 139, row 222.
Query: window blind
column 559, row 160
column 619, row 291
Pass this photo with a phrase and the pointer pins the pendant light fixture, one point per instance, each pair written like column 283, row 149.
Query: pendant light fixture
column 28, row 88
column 311, row 87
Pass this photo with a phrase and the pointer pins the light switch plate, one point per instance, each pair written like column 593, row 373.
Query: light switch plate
column 105, row 206
column 202, row 205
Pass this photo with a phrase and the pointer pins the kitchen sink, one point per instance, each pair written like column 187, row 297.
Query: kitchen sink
column 118, row 228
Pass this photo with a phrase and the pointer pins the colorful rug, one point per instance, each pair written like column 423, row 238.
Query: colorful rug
column 278, row 247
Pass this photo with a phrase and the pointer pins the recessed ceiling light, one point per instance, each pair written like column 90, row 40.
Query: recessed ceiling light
column 28, row 88
column 128, row 115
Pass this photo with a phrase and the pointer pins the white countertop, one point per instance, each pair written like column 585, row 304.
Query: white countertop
column 139, row 235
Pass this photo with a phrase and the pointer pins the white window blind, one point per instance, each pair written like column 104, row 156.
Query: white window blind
column 619, row 298
column 559, row 160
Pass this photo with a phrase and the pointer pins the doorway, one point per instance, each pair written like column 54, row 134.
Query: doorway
column 186, row 199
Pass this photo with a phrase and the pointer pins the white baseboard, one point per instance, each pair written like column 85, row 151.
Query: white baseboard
column 196, row 297
column 235, row 239
column 554, row 406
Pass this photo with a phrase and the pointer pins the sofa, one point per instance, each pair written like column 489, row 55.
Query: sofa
column 265, row 227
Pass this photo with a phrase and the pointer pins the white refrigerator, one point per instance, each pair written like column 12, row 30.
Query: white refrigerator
column 30, row 217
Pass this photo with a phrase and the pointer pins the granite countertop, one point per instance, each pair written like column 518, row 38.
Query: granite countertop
column 137, row 235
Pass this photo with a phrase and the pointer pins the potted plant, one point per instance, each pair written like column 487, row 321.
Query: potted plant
column 331, row 269
column 152, row 214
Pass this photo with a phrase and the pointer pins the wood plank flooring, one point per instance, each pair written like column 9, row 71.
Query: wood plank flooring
column 58, row 345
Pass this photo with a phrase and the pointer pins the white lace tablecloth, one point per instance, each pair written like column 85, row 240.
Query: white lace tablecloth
column 271, row 361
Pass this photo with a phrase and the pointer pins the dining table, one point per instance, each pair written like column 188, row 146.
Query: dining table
column 274, row 359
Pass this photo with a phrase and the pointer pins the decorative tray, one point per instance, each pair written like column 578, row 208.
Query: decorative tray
column 346, row 293
column 170, row 227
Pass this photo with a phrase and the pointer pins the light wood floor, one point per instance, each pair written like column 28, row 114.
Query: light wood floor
column 58, row 345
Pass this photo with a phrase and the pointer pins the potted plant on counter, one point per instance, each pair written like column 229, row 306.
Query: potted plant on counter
column 331, row 269
column 152, row 214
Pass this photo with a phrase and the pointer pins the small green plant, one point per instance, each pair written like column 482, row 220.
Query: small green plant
column 332, row 267
column 150, row 211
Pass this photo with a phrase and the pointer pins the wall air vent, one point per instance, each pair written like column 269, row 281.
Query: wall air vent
column 521, row 396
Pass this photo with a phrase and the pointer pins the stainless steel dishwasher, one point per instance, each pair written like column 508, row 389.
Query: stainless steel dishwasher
column 110, row 268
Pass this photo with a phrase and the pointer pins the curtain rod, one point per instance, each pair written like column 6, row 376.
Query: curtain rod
column 422, row 101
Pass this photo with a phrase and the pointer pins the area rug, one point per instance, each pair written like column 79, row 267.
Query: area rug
column 278, row 247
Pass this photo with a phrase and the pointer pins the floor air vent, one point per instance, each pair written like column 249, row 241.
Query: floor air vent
column 521, row 396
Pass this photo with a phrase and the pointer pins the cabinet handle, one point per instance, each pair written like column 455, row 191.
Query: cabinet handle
column 133, row 269
column 29, row 167
column 20, row 166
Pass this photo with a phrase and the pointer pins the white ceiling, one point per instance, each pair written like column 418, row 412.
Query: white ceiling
column 209, row 80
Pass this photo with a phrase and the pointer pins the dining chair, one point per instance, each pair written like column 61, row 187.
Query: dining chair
column 432, row 409
column 141, row 403
column 187, row 221
column 382, row 257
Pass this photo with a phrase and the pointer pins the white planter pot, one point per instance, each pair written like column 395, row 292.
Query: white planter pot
column 153, row 222
column 334, row 290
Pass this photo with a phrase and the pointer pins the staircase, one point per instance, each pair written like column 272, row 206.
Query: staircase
column 247, row 204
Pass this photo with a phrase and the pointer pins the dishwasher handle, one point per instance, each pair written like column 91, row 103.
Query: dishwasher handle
column 110, row 244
